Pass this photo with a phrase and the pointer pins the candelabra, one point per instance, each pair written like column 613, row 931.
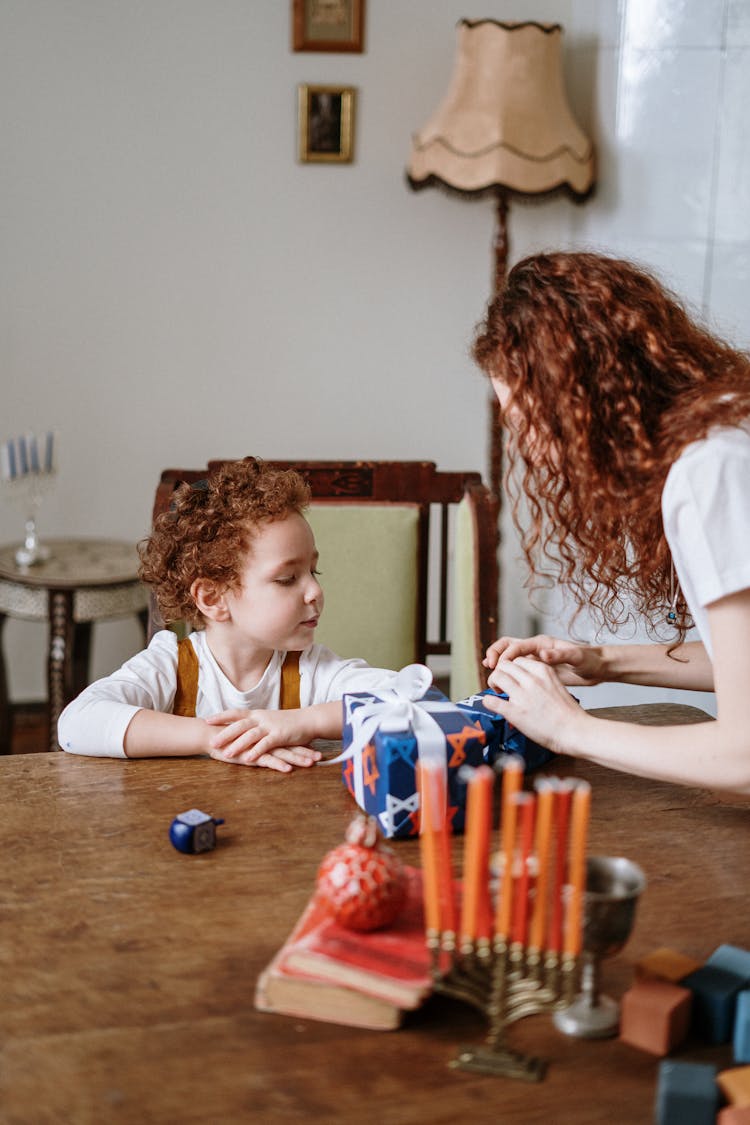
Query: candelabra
column 27, row 470
column 521, row 954
column 506, row 982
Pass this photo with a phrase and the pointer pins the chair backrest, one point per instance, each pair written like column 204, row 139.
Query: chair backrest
column 408, row 561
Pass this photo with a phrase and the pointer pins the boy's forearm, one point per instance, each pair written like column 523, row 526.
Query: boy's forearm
column 325, row 720
column 156, row 734
column 688, row 667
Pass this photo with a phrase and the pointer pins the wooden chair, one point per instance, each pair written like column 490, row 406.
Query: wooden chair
column 408, row 561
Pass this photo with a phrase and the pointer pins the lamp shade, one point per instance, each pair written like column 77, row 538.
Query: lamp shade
column 505, row 120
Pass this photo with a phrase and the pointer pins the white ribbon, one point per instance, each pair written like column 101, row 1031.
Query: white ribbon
column 397, row 708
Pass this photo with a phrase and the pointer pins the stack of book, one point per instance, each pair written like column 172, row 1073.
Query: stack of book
column 326, row 972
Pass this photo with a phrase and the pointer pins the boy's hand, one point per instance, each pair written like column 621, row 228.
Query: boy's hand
column 283, row 759
column 264, row 738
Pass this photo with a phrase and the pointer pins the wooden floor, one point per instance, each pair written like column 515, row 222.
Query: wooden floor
column 29, row 729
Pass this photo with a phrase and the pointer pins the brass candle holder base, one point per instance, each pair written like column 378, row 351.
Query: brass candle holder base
column 502, row 1063
column 506, row 983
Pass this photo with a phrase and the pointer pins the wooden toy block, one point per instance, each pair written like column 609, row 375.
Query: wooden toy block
column 741, row 1037
column 735, row 1085
column 734, row 1115
column 686, row 1094
column 733, row 960
column 714, row 1001
column 655, row 1015
column 666, row 964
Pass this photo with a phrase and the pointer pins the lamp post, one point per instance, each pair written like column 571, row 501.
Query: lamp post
column 504, row 128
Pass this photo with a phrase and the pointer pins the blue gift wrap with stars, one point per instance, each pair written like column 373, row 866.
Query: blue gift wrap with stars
column 386, row 734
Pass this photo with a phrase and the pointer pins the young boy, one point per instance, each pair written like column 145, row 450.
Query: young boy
column 236, row 559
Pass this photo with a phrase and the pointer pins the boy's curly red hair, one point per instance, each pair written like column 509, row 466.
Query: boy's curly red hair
column 612, row 380
column 209, row 530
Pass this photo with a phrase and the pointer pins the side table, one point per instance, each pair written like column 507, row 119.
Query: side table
column 83, row 581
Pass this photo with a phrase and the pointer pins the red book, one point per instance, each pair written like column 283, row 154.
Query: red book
column 390, row 966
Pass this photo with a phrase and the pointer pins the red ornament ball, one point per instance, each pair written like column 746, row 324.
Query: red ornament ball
column 362, row 882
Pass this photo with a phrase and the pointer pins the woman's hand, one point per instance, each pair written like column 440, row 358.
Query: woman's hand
column 537, row 702
column 262, row 738
column 576, row 665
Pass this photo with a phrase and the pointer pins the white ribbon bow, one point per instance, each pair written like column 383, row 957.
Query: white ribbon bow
column 399, row 707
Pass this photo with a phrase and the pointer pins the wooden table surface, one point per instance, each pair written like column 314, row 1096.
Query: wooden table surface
column 128, row 969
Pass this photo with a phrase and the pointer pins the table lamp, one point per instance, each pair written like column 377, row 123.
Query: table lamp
column 504, row 128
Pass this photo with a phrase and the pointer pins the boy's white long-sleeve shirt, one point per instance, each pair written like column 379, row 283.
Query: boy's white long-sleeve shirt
column 96, row 721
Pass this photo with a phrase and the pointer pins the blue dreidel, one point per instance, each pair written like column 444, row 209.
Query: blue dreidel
column 741, row 1037
column 686, row 1094
column 194, row 831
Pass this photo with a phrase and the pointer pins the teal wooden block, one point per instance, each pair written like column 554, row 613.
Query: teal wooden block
column 714, row 1001
column 733, row 959
column 686, row 1094
column 741, row 1036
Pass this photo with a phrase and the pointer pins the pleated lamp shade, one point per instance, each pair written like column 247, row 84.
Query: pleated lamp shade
column 505, row 121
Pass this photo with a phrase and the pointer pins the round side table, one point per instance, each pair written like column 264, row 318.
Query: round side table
column 83, row 581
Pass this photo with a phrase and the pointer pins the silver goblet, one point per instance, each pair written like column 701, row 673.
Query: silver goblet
column 613, row 886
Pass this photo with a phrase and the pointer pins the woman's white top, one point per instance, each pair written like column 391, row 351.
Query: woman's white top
column 95, row 722
column 706, row 512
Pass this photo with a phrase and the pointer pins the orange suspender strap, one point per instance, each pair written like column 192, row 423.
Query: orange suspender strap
column 186, row 695
column 289, row 697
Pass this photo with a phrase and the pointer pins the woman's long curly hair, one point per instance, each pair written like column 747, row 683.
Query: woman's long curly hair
column 208, row 531
column 609, row 380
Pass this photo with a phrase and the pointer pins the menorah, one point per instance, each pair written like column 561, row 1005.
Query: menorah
column 522, row 955
column 27, row 470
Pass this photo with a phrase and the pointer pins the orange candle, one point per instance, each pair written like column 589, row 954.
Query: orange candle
column 476, row 854
column 512, row 777
column 438, row 782
column 579, row 826
column 512, row 781
column 562, row 815
column 526, row 804
column 545, row 802
column 430, row 875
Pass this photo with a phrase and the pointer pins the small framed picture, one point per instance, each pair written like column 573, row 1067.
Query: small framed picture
column 326, row 124
column 328, row 25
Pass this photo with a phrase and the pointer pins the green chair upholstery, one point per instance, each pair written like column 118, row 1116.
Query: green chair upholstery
column 368, row 564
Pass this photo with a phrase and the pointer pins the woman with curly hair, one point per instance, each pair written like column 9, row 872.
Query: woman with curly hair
column 236, row 559
column 629, row 444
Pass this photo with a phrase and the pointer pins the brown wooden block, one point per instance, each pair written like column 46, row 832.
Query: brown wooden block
column 666, row 964
column 655, row 1015
column 734, row 1115
column 735, row 1085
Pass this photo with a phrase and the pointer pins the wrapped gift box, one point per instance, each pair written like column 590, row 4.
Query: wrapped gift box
column 502, row 736
column 381, row 774
column 385, row 735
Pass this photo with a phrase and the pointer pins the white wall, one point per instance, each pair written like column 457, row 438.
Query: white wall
column 175, row 286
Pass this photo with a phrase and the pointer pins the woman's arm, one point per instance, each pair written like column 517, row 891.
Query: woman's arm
column 579, row 665
column 715, row 755
column 651, row 665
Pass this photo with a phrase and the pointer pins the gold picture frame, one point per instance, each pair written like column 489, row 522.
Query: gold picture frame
column 328, row 25
column 326, row 124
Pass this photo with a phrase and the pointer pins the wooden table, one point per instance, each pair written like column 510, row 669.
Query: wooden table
column 83, row 581
column 128, row 969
